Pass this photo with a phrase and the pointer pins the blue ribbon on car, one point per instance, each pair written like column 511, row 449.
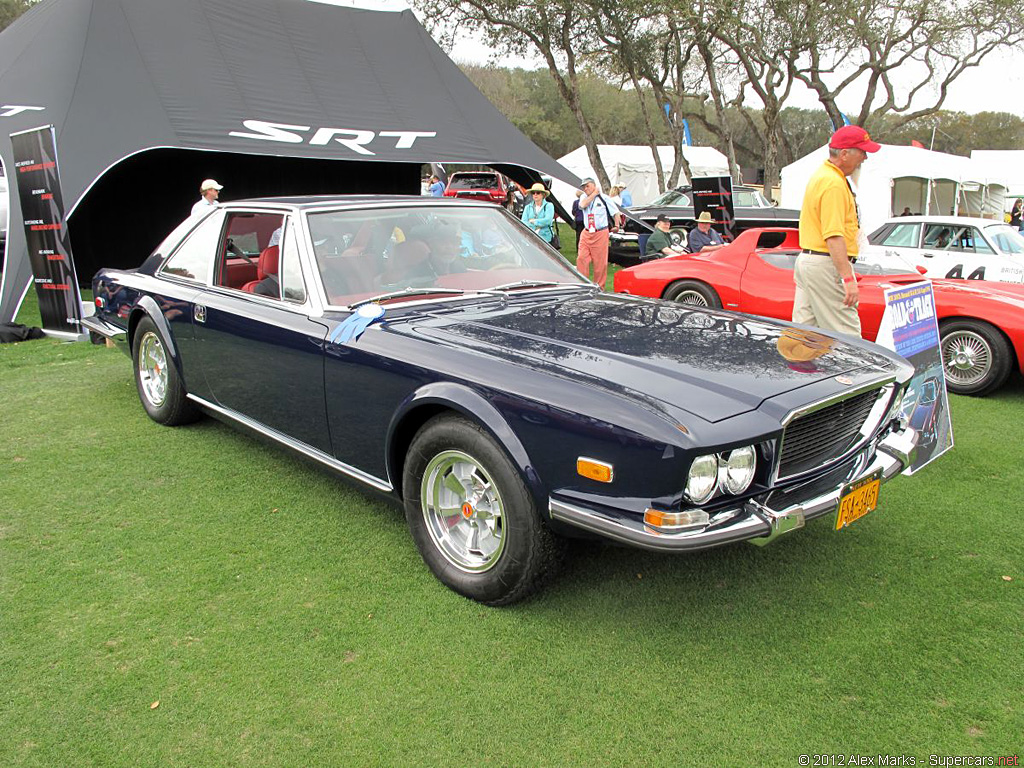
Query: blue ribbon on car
column 352, row 327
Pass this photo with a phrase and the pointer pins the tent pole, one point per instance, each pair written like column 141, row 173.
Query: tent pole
column 928, row 198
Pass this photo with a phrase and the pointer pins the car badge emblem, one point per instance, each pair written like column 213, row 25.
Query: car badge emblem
column 844, row 380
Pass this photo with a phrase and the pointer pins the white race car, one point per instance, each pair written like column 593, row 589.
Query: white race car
column 954, row 246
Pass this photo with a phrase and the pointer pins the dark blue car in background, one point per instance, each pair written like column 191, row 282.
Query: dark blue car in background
column 437, row 352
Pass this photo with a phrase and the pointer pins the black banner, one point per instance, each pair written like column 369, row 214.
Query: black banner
column 49, row 249
column 714, row 195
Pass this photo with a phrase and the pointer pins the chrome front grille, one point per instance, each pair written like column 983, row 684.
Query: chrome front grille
column 821, row 435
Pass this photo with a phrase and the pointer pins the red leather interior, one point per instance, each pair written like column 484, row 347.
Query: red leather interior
column 267, row 265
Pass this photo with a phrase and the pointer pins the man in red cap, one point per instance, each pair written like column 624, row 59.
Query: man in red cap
column 826, row 287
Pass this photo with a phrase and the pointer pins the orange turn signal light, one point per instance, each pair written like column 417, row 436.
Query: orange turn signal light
column 676, row 521
column 593, row 469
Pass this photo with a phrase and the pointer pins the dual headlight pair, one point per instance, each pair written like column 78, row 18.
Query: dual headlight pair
column 731, row 472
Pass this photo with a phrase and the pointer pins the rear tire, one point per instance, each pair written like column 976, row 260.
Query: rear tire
column 160, row 387
column 976, row 357
column 693, row 292
column 472, row 517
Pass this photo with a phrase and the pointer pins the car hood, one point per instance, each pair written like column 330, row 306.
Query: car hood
column 712, row 364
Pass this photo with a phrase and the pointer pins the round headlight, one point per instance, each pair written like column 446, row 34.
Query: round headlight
column 703, row 478
column 738, row 469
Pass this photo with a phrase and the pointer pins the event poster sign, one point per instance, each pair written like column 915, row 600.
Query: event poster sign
column 909, row 327
column 714, row 195
column 49, row 249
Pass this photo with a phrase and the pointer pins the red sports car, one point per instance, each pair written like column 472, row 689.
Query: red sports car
column 981, row 323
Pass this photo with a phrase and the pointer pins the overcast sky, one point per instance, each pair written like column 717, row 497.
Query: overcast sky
column 997, row 85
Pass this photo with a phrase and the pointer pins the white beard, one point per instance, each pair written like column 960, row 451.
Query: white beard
column 855, row 177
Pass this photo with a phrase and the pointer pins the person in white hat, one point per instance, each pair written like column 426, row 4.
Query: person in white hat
column 209, row 191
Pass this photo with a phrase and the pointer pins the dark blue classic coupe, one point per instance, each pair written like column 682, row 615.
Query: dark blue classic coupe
column 438, row 352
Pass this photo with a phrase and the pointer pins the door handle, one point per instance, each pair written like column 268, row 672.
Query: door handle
column 199, row 313
column 929, row 255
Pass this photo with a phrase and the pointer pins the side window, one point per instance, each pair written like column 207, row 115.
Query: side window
column 744, row 197
column 903, row 236
column 248, row 254
column 194, row 257
column 293, row 288
column 938, row 236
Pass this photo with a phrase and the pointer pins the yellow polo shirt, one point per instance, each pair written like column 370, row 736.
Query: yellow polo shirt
column 828, row 210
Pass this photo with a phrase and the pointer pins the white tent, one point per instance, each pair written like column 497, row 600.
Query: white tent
column 1005, row 163
column 898, row 177
column 632, row 166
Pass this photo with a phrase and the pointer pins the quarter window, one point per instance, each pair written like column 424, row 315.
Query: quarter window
column 903, row 236
column 194, row 257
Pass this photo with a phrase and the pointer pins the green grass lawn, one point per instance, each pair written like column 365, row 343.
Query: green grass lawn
column 280, row 617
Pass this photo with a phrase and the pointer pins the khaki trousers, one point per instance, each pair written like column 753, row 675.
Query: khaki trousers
column 819, row 296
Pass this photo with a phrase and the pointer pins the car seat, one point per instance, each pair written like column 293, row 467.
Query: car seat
column 266, row 266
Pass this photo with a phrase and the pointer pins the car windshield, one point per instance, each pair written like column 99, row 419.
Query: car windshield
column 672, row 197
column 369, row 252
column 1006, row 238
column 474, row 181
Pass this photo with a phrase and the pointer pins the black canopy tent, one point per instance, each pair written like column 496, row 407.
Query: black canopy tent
column 270, row 97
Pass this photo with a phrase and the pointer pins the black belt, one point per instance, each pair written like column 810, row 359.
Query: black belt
column 852, row 259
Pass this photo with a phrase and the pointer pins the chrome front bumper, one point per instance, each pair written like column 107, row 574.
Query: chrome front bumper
column 760, row 522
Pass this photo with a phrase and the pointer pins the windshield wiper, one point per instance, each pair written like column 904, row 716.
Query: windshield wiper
column 407, row 292
column 532, row 284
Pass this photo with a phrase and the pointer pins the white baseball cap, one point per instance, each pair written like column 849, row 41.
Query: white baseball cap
column 210, row 184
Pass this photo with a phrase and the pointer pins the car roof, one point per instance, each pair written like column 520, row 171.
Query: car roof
column 354, row 201
column 947, row 220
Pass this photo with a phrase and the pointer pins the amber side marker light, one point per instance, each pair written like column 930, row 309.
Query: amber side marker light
column 675, row 521
column 593, row 469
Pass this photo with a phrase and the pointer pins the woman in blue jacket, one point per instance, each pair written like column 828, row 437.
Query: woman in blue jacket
column 539, row 215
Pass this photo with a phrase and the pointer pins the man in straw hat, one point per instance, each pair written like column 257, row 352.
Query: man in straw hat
column 600, row 215
column 704, row 238
column 539, row 214
column 826, row 287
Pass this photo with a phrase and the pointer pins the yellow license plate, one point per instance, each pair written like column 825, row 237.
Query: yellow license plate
column 858, row 499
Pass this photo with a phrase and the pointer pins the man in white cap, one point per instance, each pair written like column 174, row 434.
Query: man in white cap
column 209, row 191
column 600, row 215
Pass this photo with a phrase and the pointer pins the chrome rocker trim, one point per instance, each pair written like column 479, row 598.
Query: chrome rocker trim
column 760, row 526
column 103, row 328
column 295, row 445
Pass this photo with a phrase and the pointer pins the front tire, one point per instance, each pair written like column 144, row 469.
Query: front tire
column 472, row 517
column 976, row 357
column 693, row 292
column 160, row 387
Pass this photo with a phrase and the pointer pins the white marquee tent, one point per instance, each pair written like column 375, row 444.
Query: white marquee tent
column 633, row 166
column 1008, row 163
column 897, row 177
